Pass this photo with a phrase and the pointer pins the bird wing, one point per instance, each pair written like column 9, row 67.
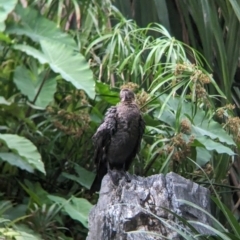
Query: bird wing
column 141, row 128
column 141, row 132
column 102, row 137
column 101, row 140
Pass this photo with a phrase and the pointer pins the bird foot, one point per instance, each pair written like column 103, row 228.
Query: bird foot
column 114, row 175
column 127, row 176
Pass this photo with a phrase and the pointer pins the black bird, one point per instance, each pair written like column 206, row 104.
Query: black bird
column 118, row 138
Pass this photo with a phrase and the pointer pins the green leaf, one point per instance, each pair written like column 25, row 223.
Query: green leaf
column 25, row 149
column 64, row 60
column 5, row 8
column 18, row 234
column 16, row 160
column 5, row 206
column 23, row 233
column 213, row 130
column 106, row 94
column 13, row 109
column 236, row 8
column 17, row 211
column 77, row 208
column 167, row 116
column 210, row 145
column 203, row 156
column 4, row 101
column 4, row 37
column 32, row 52
column 84, row 178
column 203, row 17
column 162, row 11
column 35, row 191
column 232, row 221
column 71, row 65
column 37, row 27
column 29, row 84
column 216, row 223
column 210, row 128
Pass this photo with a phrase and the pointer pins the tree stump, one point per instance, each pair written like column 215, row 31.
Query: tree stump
column 137, row 209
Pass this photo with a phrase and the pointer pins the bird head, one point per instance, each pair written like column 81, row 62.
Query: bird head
column 127, row 95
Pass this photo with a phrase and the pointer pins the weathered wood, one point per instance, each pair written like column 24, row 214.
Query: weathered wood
column 126, row 207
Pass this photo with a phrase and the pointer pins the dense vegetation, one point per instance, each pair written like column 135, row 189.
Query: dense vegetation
column 62, row 65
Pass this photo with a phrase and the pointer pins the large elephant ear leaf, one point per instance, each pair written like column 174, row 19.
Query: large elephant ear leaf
column 35, row 86
column 77, row 208
column 59, row 50
column 38, row 29
column 70, row 64
column 66, row 61
column 5, row 8
column 22, row 150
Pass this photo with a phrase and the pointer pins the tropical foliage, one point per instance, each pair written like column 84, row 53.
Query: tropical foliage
column 62, row 65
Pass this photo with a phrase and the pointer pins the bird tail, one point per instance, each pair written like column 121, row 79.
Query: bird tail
column 101, row 172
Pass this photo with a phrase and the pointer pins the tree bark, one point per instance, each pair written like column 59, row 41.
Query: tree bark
column 139, row 209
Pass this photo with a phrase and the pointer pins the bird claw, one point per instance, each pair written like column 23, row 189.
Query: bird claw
column 114, row 175
column 127, row 177
column 117, row 175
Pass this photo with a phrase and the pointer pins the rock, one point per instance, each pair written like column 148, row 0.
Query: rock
column 140, row 209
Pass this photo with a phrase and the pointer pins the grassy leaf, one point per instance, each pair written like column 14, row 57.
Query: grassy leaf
column 232, row 221
column 236, row 7
column 162, row 11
